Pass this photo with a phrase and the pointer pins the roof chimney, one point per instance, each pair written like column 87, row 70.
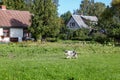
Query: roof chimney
column 3, row 7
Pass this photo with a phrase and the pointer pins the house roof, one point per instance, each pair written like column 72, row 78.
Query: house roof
column 14, row 18
column 79, row 21
column 91, row 18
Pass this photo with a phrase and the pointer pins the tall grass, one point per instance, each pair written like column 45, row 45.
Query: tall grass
column 36, row 61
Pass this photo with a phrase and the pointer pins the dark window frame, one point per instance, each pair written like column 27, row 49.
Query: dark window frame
column 6, row 32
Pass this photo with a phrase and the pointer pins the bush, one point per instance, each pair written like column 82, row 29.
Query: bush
column 81, row 34
column 63, row 36
column 51, row 39
column 100, row 37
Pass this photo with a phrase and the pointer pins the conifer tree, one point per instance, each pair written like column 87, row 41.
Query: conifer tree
column 116, row 3
column 90, row 8
column 15, row 4
column 45, row 22
column 84, row 7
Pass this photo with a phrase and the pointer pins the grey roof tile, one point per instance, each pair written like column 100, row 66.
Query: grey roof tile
column 79, row 21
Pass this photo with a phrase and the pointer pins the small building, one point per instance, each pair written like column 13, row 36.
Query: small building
column 80, row 21
column 14, row 25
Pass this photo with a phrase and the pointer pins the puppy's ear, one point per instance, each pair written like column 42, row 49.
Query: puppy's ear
column 73, row 51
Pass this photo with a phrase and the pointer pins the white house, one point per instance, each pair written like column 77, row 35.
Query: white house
column 14, row 25
column 80, row 21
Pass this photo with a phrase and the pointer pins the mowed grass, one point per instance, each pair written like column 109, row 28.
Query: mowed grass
column 36, row 61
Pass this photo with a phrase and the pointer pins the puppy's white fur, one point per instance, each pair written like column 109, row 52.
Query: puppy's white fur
column 70, row 54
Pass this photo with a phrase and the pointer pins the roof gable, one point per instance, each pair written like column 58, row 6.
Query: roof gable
column 14, row 18
column 79, row 21
column 72, row 24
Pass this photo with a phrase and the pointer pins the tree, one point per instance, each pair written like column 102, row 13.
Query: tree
column 110, row 20
column 45, row 22
column 15, row 4
column 98, row 9
column 66, row 16
column 80, row 34
column 1, row 2
column 63, row 30
column 116, row 18
column 28, row 4
column 85, row 7
column 115, row 3
column 116, row 11
column 90, row 8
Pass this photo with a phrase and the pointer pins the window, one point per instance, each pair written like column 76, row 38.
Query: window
column 72, row 24
column 6, row 32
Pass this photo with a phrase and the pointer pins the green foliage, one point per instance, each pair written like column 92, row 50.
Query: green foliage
column 110, row 20
column 64, row 30
column 69, row 34
column 37, row 19
column 115, row 2
column 80, row 34
column 66, row 16
column 90, row 8
column 35, row 61
column 114, row 32
column 63, row 36
column 1, row 2
column 85, row 7
column 98, row 9
column 51, row 39
column 45, row 22
column 15, row 4
column 100, row 37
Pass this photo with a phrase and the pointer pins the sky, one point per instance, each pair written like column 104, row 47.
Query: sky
column 71, row 5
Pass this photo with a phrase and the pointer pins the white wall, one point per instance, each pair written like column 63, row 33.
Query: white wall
column 72, row 27
column 1, row 31
column 16, row 32
column 6, row 39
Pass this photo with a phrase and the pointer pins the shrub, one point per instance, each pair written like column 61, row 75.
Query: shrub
column 63, row 36
column 51, row 39
column 100, row 37
column 80, row 34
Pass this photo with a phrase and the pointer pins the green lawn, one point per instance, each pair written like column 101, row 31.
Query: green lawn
column 36, row 61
